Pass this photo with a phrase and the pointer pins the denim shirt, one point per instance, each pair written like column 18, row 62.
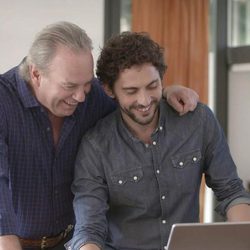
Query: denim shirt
column 128, row 194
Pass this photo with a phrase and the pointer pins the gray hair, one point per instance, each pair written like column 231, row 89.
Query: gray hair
column 46, row 42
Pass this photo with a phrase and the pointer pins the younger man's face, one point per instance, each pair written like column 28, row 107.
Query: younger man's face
column 138, row 91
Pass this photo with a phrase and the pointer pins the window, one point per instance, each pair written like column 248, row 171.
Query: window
column 239, row 23
column 125, row 21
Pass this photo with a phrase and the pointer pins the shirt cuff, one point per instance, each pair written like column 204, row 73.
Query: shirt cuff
column 237, row 201
column 76, row 245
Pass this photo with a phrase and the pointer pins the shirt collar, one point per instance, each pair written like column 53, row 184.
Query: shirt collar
column 25, row 93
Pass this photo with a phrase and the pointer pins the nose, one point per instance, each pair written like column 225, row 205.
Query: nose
column 79, row 95
column 144, row 99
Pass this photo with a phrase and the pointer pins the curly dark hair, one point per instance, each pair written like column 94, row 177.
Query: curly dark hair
column 126, row 50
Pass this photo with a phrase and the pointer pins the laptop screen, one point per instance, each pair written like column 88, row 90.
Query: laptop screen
column 210, row 236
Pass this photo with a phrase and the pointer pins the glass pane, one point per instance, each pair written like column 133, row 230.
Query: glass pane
column 125, row 21
column 239, row 22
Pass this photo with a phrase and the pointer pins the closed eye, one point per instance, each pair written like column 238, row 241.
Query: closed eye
column 70, row 86
column 153, row 85
column 130, row 91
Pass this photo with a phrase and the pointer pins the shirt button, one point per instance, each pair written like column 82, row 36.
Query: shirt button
column 161, row 128
column 120, row 181
column 48, row 129
column 135, row 178
column 181, row 163
column 164, row 221
column 157, row 171
column 146, row 145
column 154, row 142
column 194, row 159
column 163, row 197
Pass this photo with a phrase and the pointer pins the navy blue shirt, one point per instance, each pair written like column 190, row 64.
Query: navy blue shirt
column 128, row 194
column 35, row 177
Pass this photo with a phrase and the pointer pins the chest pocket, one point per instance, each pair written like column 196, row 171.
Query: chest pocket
column 185, row 160
column 187, row 170
column 127, row 187
column 128, row 176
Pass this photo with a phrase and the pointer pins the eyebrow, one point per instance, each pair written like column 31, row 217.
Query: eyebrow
column 153, row 81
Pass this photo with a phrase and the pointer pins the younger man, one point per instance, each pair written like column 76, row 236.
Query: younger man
column 139, row 170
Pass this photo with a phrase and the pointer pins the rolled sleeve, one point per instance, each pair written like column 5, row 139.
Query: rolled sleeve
column 237, row 201
column 223, row 207
column 221, row 172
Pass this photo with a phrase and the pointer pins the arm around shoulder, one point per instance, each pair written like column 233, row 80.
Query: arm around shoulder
column 181, row 98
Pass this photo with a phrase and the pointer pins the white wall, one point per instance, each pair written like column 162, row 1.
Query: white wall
column 239, row 119
column 20, row 20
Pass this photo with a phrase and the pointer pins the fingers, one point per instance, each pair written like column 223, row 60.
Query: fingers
column 189, row 101
column 176, row 104
column 181, row 98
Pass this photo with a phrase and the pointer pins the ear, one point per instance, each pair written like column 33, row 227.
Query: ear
column 108, row 91
column 35, row 75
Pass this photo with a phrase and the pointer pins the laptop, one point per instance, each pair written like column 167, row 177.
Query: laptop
column 210, row 236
